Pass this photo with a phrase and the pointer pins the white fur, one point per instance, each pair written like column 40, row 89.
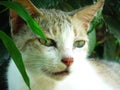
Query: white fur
column 40, row 61
column 82, row 76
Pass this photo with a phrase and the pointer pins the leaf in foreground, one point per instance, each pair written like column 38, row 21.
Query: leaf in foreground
column 16, row 55
column 22, row 12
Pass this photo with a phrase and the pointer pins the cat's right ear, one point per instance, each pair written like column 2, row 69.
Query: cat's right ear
column 16, row 22
column 85, row 16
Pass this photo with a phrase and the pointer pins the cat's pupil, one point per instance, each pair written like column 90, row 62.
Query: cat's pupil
column 47, row 42
column 79, row 43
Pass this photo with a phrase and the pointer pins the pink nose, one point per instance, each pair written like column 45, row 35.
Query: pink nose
column 67, row 61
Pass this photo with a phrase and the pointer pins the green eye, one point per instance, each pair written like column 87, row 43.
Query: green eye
column 48, row 42
column 79, row 43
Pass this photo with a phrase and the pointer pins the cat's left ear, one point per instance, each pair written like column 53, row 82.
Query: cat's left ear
column 85, row 16
column 29, row 6
column 16, row 22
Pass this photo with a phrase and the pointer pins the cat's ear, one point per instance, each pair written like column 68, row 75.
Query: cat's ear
column 16, row 21
column 87, row 14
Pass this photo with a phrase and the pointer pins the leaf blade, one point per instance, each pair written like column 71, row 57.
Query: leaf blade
column 16, row 56
column 22, row 12
column 113, row 27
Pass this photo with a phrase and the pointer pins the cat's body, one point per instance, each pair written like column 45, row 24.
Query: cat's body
column 59, row 63
column 100, row 76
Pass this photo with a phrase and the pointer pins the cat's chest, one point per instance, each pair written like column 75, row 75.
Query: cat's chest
column 86, row 78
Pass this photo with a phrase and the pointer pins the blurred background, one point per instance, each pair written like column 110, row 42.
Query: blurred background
column 104, row 38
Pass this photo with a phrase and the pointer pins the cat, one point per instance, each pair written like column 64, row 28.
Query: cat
column 60, row 62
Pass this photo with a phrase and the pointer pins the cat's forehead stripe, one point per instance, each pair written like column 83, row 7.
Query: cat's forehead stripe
column 75, row 32
column 54, row 21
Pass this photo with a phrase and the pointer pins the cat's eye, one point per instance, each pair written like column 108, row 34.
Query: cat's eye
column 79, row 43
column 47, row 42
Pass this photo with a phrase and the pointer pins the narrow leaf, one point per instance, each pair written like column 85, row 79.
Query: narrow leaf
column 109, row 49
column 15, row 54
column 113, row 26
column 22, row 12
column 92, row 40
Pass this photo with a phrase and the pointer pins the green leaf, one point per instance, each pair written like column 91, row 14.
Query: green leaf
column 92, row 40
column 15, row 54
column 46, row 3
column 22, row 12
column 109, row 49
column 113, row 27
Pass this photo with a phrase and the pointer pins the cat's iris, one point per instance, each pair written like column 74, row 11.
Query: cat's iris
column 79, row 43
column 47, row 42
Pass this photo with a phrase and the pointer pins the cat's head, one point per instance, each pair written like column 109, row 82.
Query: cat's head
column 67, row 40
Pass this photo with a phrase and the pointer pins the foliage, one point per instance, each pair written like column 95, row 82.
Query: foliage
column 15, row 54
column 20, row 10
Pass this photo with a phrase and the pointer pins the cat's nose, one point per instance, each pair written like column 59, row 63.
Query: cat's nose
column 67, row 61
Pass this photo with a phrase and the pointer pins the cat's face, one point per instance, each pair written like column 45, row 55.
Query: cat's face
column 66, row 46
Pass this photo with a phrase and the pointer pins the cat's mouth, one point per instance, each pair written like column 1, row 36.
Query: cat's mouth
column 58, row 75
column 64, row 72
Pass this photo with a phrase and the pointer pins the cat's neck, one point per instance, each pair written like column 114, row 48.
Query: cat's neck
column 85, row 74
